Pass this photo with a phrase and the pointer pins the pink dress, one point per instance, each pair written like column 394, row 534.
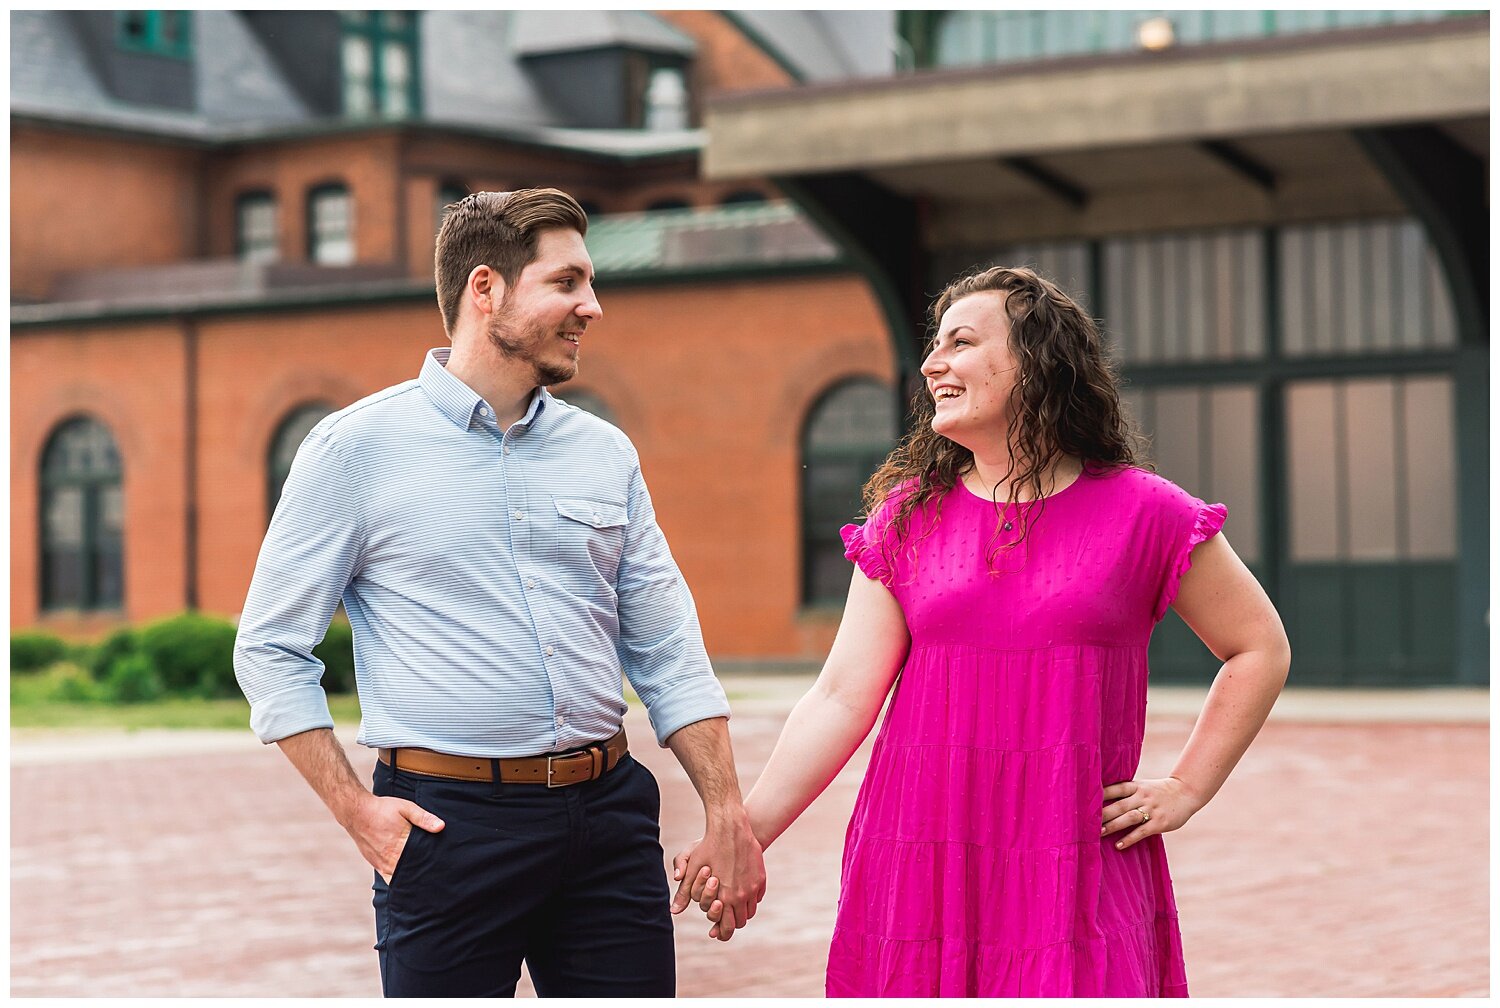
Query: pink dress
column 973, row 865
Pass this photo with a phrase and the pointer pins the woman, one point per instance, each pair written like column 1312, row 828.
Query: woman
column 1013, row 566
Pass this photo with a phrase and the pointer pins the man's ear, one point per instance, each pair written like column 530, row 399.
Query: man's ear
column 485, row 289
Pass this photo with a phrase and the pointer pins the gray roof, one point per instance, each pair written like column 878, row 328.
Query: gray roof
column 559, row 30
column 826, row 45
column 472, row 79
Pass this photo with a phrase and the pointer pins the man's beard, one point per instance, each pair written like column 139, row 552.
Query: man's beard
column 525, row 345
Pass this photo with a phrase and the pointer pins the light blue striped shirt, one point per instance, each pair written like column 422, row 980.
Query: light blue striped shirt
column 498, row 582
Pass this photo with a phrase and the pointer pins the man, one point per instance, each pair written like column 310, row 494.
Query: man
column 498, row 556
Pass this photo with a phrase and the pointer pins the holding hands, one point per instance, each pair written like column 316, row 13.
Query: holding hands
column 725, row 874
column 1145, row 807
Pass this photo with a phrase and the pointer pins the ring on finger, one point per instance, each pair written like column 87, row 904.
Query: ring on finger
column 1145, row 816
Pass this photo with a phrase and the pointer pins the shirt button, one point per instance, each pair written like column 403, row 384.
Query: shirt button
column 597, row 518
column 532, row 584
column 520, row 516
column 549, row 650
column 506, row 449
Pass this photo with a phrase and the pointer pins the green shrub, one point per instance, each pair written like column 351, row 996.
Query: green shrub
column 98, row 660
column 133, row 679
column 77, row 686
column 193, row 654
column 32, row 652
column 337, row 655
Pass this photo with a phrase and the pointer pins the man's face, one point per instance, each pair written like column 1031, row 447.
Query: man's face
column 542, row 318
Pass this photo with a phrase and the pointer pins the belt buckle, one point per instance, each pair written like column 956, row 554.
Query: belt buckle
column 550, row 758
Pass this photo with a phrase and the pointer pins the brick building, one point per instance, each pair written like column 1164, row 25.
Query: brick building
column 1279, row 216
column 222, row 229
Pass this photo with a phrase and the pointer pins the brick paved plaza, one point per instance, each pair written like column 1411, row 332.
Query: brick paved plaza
column 1348, row 856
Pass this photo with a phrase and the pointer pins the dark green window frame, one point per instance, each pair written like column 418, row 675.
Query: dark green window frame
column 82, row 461
column 381, row 32
column 836, row 462
column 158, row 33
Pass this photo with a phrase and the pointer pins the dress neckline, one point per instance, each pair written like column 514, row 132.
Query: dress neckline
column 961, row 484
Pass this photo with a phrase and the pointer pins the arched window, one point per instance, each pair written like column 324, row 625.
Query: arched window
column 589, row 403
column 289, row 437
column 848, row 434
column 330, row 225
column 83, row 518
column 255, row 227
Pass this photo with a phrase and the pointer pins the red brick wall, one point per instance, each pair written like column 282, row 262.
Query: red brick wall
column 131, row 379
column 712, row 381
column 81, row 202
column 366, row 163
column 726, row 59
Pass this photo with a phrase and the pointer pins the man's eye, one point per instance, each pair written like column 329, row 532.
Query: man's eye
column 568, row 282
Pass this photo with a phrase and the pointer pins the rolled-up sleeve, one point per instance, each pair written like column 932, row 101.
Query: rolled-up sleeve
column 310, row 553
column 661, row 644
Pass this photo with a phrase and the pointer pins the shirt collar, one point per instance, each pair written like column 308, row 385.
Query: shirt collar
column 461, row 404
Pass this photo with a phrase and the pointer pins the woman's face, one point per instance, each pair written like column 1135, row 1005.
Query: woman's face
column 971, row 371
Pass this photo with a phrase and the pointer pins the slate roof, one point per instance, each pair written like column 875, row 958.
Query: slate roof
column 559, row 30
column 242, row 94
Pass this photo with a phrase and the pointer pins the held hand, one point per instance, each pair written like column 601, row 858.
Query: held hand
column 726, row 867
column 691, row 888
column 1146, row 807
column 381, row 827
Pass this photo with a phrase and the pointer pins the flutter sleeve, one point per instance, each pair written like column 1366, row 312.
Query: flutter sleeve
column 870, row 546
column 1202, row 522
column 866, row 555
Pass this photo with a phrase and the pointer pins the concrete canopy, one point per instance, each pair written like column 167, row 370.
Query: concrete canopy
column 1256, row 132
column 1235, row 133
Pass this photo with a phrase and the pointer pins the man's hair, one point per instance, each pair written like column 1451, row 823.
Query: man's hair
column 498, row 230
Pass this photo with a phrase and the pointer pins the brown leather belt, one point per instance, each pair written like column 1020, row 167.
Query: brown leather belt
column 554, row 770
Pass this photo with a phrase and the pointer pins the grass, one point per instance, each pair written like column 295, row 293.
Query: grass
column 34, row 704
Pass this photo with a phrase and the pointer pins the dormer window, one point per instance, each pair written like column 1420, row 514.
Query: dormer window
column 379, row 60
column 159, row 33
column 666, row 100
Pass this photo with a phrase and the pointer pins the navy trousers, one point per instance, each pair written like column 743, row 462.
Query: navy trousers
column 570, row 880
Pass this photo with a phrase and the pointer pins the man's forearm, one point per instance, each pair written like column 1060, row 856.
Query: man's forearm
column 728, row 849
column 704, row 751
column 321, row 760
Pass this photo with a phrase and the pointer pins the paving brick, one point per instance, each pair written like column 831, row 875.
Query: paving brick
column 1342, row 859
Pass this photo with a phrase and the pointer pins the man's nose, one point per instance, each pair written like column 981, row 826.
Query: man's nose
column 590, row 309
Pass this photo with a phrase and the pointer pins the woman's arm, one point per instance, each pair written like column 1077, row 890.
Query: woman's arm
column 1229, row 611
column 828, row 723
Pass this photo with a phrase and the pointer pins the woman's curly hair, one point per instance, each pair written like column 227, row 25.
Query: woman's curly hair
column 1066, row 401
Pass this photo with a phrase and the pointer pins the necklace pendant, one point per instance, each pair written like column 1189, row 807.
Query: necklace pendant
column 1008, row 526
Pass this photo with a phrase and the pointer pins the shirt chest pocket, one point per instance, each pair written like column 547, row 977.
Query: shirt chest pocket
column 590, row 533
